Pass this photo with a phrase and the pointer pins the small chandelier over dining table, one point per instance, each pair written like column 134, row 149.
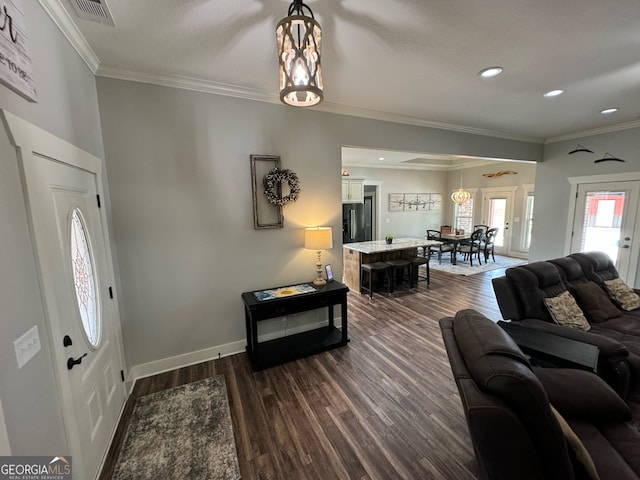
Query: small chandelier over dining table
column 299, row 40
column 461, row 196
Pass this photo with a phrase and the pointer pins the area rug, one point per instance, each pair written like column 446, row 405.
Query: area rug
column 463, row 268
column 185, row 432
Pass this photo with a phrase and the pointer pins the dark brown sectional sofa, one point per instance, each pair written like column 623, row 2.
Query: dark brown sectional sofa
column 536, row 423
column 616, row 332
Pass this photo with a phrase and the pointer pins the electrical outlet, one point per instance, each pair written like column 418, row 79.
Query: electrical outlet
column 27, row 346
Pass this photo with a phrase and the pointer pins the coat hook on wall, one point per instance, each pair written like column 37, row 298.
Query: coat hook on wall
column 609, row 158
column 580, row 148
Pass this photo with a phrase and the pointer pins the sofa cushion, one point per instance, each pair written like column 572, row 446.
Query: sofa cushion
column 597, row 266
column 570, row 270
column 582, row 395
column 613, row 448
column 532, row 283
column 580, row 451
column 595, row 302
column 565, row 311
column 622, row 294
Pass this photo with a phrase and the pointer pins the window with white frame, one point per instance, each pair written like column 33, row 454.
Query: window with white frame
column 528, row 221
column 464, row 216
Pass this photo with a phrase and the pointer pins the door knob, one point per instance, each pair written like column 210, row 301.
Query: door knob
column 71, row 362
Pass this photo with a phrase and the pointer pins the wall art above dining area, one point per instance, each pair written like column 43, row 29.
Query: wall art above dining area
column 414, row 202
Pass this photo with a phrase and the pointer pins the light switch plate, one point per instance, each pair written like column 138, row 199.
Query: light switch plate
column 27, row 346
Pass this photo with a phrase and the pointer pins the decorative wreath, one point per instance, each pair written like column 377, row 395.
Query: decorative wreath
column 273, row 180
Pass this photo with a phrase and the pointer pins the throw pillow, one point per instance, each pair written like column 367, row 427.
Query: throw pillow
column 622, row 294
column 595, row 302
column 582, row 395
column 565, row 311
column 582, row 455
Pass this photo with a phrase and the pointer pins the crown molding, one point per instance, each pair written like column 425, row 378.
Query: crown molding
column 65, row 24
column 187, row 83
column 199, row 85
column 595, row 131
column 407, row 120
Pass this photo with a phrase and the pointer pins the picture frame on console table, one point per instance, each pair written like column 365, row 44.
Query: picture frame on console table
column 265, row 214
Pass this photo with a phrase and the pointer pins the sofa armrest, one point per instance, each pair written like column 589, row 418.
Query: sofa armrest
column 506, row 297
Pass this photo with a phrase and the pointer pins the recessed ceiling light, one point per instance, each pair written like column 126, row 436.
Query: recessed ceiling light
column 490, row 72
column 554, row 93
column 609, row 111
column 380, row 158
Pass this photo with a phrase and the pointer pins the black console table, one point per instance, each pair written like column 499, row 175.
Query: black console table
column 549, row 350
column 274, row 352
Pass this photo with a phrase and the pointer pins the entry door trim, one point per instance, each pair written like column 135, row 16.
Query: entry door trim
column 32, row 140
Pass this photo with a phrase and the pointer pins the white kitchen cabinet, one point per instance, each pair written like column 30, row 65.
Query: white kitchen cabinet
column 353, row 190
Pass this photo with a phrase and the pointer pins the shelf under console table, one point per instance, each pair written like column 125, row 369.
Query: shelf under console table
column 284, row 349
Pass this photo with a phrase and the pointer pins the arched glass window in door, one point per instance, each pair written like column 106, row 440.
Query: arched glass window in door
column 84, row 279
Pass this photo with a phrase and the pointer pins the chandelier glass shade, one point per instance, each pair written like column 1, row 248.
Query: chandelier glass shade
column 460, row 196
column 299, row 41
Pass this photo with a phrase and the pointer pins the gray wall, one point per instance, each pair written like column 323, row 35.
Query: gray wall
column 473, row 179
column 414, row 224
column 552, row 187
column 404, row 224
column 178, row 164
column 67, row 107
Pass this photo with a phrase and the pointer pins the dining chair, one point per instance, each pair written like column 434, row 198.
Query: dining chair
column 471, row 246
column 484, row 228
column 488, row 243
column 443, row 247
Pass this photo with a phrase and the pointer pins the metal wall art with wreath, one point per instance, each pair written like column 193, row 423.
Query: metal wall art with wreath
column 273, row 182
column 269, row 182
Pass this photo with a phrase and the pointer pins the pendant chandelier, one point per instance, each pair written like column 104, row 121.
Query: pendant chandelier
column 461, row 196
column 298, row 39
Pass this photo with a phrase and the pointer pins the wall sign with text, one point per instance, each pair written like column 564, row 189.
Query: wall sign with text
column 15, row 63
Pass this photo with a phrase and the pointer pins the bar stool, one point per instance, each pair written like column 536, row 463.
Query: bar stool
column 398, row 271
column 415, row 270
column 377, row 269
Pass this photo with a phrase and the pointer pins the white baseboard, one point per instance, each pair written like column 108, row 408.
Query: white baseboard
column 171, row 363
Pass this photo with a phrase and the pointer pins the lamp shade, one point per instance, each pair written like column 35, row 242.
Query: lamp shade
column 318, row 238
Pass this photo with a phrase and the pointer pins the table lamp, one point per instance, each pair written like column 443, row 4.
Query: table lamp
column 318, row 239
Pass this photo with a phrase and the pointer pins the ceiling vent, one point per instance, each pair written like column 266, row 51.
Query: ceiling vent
column 93, row 10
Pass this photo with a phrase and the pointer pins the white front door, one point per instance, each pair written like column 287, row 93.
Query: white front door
column 62, row 188
column 605, row 219
column 497, row 212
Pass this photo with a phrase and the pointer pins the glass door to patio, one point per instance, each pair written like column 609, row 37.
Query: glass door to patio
column 605, row 220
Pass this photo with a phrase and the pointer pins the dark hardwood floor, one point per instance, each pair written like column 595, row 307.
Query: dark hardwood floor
column 383, row 407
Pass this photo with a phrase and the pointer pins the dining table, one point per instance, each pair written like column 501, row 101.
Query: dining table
column 355, row 254
column 455, row 239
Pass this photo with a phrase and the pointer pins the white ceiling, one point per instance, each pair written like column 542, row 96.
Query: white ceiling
column 414, row 61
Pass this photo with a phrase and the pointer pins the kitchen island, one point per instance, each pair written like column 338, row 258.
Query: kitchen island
column 355, row 254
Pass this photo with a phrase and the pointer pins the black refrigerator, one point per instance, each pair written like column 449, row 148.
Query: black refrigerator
column 357, row 221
